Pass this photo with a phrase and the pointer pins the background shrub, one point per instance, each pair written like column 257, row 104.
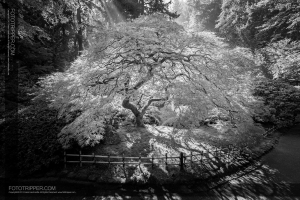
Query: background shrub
column 38, row 148
column 89, row 128
column 282, row 99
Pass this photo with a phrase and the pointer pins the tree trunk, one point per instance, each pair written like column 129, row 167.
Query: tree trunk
column 79, row 33
column 138, row 115
column 139, row 121
column 142, row 7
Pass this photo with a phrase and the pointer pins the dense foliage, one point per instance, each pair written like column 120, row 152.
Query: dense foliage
column 268, row 28
column 88, row 129
column 256, row 23
column 38, row 148
column 143, row 66
column 134, row 8
column 282, row 99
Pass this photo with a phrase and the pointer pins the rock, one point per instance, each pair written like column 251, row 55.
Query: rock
column 81, row 176
column 71, row 175
column 114, row 180
column 38, row 175
column 100, row 180
column 62, row 173
column 183, row 189
column 92, row 177
column 50, row 179
column 51, row 173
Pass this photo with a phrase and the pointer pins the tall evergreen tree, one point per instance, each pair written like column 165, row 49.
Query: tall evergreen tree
column 131, row 9
column 208, row 13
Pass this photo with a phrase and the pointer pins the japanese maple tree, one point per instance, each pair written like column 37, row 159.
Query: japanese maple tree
column 135, row 65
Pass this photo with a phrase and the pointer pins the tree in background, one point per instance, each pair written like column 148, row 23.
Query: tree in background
column 132, row 9
column 268, row 28
column 208, row 13
column 280, row 21
column 282, row 99
column 183, row 10
column 265, row 21
column 233, row 19
column 154, row 6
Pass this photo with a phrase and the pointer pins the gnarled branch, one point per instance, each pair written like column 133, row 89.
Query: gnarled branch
column 144, row 109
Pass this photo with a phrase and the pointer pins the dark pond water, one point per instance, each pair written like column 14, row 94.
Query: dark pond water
column 285, row 157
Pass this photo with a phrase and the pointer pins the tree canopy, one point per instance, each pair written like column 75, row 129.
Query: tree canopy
column 52, row 33
column 151, row 61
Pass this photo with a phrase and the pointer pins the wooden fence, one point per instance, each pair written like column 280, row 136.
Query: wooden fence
column 182, row 160
column 94, row 159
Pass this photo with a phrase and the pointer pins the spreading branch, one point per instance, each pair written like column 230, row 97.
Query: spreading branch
column 144, row 109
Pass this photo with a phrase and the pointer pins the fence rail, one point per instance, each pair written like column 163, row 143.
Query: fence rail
column 138, row 160
column 182, row 160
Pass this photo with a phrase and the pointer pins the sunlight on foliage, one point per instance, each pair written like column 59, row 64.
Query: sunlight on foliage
column 286, row 59
column 150, row 62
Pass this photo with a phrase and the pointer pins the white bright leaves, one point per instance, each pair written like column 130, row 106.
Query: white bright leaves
column 145, row 57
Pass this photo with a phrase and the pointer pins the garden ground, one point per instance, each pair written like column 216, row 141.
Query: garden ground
column 156, row 141
column 258, row 181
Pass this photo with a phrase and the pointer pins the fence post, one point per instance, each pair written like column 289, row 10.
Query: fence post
column 140, row 159
column 201, row 157
column 166, row 160
column 108, row 160
column 152, row 162
column 230, row 149
column 80, row 159
column 227, row 160
column 65, row 159
column 181, row 161
column 123, row 159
